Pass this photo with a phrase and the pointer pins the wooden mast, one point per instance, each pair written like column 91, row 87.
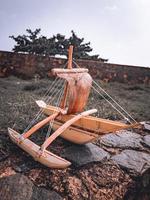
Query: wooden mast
column 70, row 56
column 69, row 66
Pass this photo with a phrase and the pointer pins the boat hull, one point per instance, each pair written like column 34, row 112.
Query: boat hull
column 47, row 158
column 86, row 129
column 75, row 135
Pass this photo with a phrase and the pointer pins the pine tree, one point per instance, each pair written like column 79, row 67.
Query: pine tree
column 32, row 43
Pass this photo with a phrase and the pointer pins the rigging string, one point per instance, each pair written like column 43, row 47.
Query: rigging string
column 114, row 101
column 57, row 83
column 111, row 99
column 109, row 103
column 41, row 110
column 53, row 91
column 57, row 104
column 49, row 90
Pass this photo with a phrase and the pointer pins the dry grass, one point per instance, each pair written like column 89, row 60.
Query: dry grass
column 17, row 101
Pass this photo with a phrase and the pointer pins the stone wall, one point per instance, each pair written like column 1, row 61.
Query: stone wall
column 28, row 66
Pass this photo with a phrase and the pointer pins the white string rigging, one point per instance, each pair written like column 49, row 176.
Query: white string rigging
column 51, row 90
column 114, row 101
column 54, row 89
column 57, row 104
column 109, row 102
column 52, row 86
column 100, row 88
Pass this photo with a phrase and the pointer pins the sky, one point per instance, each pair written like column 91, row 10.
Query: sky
column 119, row 30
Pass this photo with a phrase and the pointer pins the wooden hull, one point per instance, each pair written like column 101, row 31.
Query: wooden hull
column 75, row 135
column 85, row 129
column 47, row 158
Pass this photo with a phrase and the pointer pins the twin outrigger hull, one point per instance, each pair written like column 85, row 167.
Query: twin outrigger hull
column 86, row 129
column 47, row 158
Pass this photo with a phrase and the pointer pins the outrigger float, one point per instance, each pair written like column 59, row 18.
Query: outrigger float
column 68, row 118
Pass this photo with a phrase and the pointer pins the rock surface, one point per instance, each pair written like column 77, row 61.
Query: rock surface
column 123, row 139
column 146, row 141
column 19, row 187
column 83, row 154
column 100, row 181
column 146, row 125
column 134, row 161
column 3, row 155
column 94, row 181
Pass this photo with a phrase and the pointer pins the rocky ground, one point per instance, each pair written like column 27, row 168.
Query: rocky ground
column 116, row 166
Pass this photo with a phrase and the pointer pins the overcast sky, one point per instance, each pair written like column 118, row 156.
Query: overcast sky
column 117, row 29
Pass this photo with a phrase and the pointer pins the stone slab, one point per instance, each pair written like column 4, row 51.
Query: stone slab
column 146, row 126
column 19, row 187
column 146, row 141
column 123, row 139
column 135, row 162
column 83, row 154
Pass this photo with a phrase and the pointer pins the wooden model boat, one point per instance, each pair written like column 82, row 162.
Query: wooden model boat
column 68, row 118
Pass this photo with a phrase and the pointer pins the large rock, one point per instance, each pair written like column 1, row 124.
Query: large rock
column 123, row 139
column 19, row 187
column 146, row 141
column 43, row 194
column 146, row 126
column 83, row 154
column 134, row 161
column 3, row 155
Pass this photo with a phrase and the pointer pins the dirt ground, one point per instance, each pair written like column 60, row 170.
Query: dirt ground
column 17, row 108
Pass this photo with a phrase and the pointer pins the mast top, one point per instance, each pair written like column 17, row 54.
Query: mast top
column 70, row 57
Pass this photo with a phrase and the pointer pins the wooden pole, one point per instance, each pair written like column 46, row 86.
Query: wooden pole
column 70, row 56
column 65, row 126
column 64, row 99
column 39, row 125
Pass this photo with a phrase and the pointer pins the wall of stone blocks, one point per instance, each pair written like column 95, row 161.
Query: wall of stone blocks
column 29, row 66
